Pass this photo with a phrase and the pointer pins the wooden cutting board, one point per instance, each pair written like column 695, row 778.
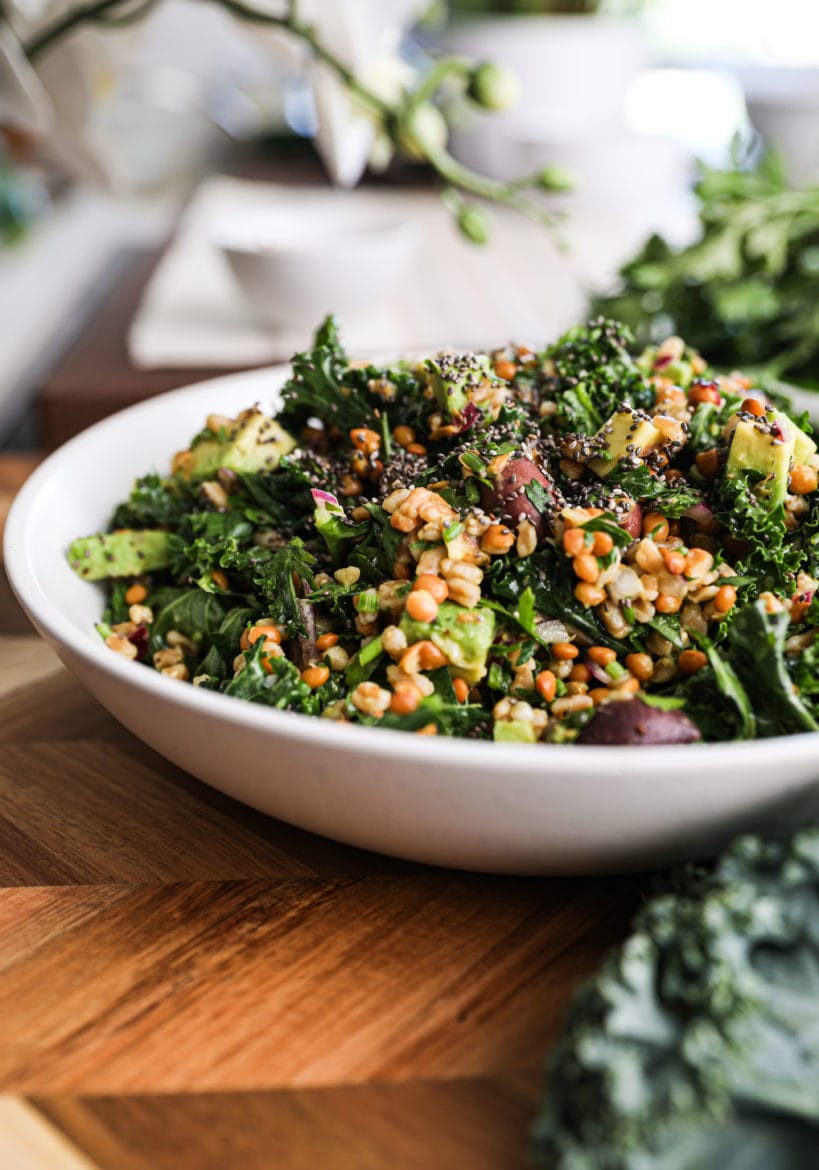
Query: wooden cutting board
column 186, row 984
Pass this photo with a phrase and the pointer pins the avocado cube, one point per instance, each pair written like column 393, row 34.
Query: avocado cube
column 119, row 554
column 625, row 429
column 513, row 731
column 766, row 446
column 464, row 635
column 804, row 447
column 254, row 443
column 454, row 375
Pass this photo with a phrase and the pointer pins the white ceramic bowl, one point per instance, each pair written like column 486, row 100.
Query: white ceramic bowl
column 477, row 805
column 292, row 268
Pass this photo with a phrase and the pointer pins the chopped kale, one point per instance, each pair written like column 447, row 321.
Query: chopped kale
column 318, row 389
column 593, row 372
column 281, row 579
column 672, row 499
column 757, row 640
column 153, row 501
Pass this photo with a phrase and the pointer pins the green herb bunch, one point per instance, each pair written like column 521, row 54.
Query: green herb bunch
column 747, row 290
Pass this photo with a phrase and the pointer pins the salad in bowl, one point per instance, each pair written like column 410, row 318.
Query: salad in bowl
column 579, row 545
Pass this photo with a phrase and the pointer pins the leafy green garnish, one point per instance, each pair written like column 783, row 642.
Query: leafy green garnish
column 730, row 687
column 191, row 611
column 207, row 541
column 668, row 628
column 278, row 580
column 153, row 501
column 537, row 495
column 273, row 681
column 772, row 555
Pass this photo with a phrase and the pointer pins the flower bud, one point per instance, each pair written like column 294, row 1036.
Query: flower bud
column 556, row 178
column 493, row 86
column 424, row 131
column 473, row 223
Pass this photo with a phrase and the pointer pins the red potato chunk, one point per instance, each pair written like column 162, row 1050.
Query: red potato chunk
column 508, row 498
column 634, row 723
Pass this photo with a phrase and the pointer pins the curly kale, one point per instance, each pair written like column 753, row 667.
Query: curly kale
column 672, row 499
column 593, row 371
column 767, row 551
column 697, row 1044
column 153, row 501
column 317, row 387
column 281, row 579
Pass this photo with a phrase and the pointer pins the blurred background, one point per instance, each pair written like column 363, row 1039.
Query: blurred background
column 137, row 228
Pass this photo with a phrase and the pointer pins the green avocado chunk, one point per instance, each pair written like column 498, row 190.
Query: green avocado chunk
column 803, row 445
column 464, row 635
column 766, row 445
column 254, row 442
column 513, row 731
column 119, row 554
column 454, row 375
column 626, row 432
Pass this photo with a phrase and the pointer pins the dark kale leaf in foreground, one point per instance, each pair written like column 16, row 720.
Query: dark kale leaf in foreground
column 696, row 1047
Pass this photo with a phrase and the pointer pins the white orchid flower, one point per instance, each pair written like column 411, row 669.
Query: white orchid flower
column 24, row 102
column 364, row 36
column 55, row 99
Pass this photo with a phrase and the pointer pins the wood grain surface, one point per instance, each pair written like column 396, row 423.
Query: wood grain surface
column 186, row 984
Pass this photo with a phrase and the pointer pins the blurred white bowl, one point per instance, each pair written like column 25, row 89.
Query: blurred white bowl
column 783, row 105
column 293, row 268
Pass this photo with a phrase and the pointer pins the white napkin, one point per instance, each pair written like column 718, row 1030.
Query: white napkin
column 519, row 287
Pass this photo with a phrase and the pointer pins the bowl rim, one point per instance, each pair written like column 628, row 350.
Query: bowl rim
column 517, row 760
column 367, row 233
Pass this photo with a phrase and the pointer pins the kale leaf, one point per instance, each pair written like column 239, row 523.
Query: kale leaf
column 153, row 501
column 593, row 372
column 280, row 499
column 276, row 682
column 193, row 612
column 318, row 388
column 224, row 645
column 771, row 555
column 757, row 640
column 279, row 578
column 732, row 703
column 697, row 1044
column 672, row 499
column 207, row 541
